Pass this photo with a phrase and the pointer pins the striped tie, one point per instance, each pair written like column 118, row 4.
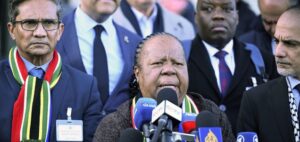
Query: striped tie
column 224, row 72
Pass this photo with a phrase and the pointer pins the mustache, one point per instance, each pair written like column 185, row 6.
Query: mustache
column 38, row 42
column 282, row 61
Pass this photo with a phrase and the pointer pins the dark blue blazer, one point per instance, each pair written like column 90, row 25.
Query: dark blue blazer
column 74, row 89
column 68, row 47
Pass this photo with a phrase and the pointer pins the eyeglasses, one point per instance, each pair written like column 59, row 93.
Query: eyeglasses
column 32, row 24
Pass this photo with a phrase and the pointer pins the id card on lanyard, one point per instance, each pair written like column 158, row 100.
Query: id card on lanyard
column 69, row 130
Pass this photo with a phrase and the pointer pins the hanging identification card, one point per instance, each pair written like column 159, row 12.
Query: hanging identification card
column 69, row 130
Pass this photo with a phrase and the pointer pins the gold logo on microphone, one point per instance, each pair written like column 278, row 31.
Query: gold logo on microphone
column 211, row 137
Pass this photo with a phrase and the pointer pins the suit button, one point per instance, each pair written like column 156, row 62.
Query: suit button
column 103, row 112
column 222, row 107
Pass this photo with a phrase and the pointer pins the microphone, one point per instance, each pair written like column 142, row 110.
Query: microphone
column 188, row 123
column 131, row 135
column 247, row 137
column 208, row 127
column 165, row 114
column 142, row 115
column 167, row 100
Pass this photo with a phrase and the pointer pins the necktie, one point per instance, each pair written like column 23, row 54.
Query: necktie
column 37, row 72
column 100, row 69
column 224, row 72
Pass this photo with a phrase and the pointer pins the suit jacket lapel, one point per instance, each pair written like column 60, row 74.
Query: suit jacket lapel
column 278, row 100
column 242, row 64
column 202, row 61
column 126, row 9
column 125, row 43
column 158, row 25
column 15, row 87
column 71, row 42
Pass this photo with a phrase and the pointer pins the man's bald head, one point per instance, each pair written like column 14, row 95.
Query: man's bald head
column 287, row 53
column 291, row 15
column 271, row 11
column 275, row 7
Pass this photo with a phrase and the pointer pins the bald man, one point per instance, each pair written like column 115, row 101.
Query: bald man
column 271, row 110
column 264, row 31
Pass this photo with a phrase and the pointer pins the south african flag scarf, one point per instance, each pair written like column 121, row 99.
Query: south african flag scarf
column 32, row 109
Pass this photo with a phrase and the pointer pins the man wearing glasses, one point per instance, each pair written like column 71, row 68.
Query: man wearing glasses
column 41, row 99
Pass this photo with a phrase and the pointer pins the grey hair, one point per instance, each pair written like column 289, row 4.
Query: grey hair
column 14, row 8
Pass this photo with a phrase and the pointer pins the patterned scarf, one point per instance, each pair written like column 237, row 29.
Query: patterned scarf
column 32, row 109
column 294, row 111
column 188, row 106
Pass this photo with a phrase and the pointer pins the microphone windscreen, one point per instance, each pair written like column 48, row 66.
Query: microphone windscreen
column 188, row 123
column 131, row 135
column 167, row 94
column 206, row 119
column 247, row 137
column 143, row 112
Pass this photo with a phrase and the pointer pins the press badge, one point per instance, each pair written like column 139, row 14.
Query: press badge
column 69, row 130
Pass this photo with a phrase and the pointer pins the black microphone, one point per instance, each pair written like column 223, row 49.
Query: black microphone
column 131, row 135
column 208, row 126
column 165, row 114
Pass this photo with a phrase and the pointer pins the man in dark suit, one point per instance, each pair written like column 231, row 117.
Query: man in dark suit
column 264, row 27
column 218, row 78
column 147, row 16
column 78, row 49
column 37, row 90
column 272, row 109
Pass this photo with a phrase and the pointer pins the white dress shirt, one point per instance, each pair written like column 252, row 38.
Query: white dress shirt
column 86, row 34
column 273, row 45
column 145, row 23
column 229, row 58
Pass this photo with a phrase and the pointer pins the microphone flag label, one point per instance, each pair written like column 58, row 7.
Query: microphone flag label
column 210, row 134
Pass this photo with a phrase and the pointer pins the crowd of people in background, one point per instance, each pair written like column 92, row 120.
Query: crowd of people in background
column 88, row 65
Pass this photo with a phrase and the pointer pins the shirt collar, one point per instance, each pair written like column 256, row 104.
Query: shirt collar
column 293, row 81
column 29, row 66
column 213, row 50
column 140, row 16
column 83, row 20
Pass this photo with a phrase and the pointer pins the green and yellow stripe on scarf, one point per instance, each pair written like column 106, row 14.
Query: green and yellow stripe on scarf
column 34, row 92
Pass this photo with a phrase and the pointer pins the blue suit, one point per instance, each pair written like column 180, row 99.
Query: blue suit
column 74, row 89
column 68, row 47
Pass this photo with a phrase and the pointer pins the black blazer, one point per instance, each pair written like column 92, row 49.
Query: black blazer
column 202, row 78
column 265, row 110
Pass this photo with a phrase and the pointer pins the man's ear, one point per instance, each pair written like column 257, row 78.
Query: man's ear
column 11, row 28
column 60, row 30
column 136, row 72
